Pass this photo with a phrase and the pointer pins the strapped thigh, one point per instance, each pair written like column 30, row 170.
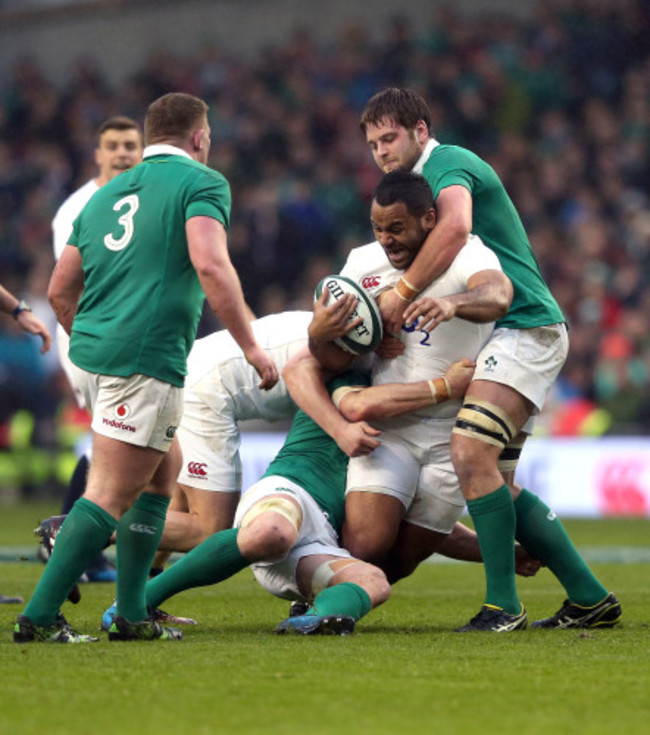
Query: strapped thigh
column 509, row 457
column 485, row 422
column 278, row 504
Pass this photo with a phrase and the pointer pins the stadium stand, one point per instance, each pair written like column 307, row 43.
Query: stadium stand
column 557, row 101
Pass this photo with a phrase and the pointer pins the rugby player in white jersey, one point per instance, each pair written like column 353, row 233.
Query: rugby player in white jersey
column 119, row 147
column 406, row 494
column 220, row 391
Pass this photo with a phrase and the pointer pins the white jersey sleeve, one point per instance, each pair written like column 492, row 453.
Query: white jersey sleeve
column 62, row 223
column 217, row 368
column 67, row 213
column 475, row 257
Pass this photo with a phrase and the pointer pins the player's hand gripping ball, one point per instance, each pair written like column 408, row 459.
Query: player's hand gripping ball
column 366, row 336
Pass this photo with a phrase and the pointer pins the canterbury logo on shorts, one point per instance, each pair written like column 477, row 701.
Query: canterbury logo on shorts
column 197, row 469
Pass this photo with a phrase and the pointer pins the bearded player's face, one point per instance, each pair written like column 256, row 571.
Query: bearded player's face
column 394, row 146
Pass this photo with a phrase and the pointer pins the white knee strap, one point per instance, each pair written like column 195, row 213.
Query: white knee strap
column 278, row 504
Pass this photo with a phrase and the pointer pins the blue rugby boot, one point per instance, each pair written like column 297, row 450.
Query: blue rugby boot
column 317, row 625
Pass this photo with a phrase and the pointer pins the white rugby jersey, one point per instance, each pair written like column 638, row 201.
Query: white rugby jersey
column 67, row 213
column 216, row 366
column 62, row 223
column 427, row 356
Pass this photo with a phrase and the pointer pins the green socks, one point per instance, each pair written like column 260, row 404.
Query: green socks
column 84, row 533
column 342, row 599
column 494, row 521
column 497, row 521
column 212, row 561
column 542, row 534
column 137, row 539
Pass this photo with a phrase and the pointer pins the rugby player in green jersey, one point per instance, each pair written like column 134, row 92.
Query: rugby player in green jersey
column 129, row 287
column 514, row 372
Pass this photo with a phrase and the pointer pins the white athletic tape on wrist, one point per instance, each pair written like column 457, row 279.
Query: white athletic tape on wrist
column 339, row 394
column 440, row 390
column 406, row 291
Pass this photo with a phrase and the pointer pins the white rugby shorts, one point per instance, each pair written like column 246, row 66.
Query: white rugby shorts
column 210, row 439
column 423, row 480
column 316, row 535
column 63, row 346
column 528, row 360
column 138, row 410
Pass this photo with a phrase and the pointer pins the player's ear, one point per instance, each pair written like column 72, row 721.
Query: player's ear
column 429, row 219
column 196, row 138
column 421, row 132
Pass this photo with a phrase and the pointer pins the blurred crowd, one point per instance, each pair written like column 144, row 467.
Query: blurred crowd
column 558, row 103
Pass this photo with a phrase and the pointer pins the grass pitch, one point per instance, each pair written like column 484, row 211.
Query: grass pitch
column 404, row 670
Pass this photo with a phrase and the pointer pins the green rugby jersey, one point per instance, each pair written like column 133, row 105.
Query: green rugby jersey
column 142, row 298
column 312, row 459
column 497, row 223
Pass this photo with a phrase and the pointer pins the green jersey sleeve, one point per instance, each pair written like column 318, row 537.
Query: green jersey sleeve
column 211, row 198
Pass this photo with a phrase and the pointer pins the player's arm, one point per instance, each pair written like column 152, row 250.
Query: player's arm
column 8, row 302
column 443, row 243
column 487, row 298
column 394, row 399
column 328, row 323
column 23, row 315
column 208, row 249
column 308, row 371
column 66, row 286
column 306, row 380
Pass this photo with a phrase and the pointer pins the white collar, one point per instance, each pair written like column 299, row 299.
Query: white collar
column 431, row 144
column 164, row 149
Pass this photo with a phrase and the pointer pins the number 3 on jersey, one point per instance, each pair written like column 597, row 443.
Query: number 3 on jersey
column 132, row 204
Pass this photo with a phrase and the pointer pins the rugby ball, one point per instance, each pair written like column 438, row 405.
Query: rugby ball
column 367, row 335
